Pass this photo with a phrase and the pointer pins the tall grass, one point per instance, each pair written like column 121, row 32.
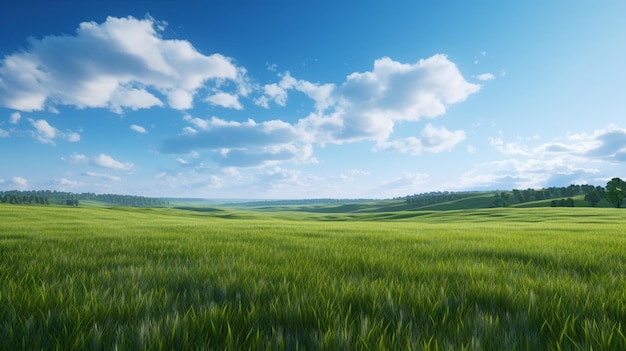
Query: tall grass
column 514, row 279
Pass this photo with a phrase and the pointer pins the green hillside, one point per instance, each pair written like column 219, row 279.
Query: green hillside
column 478, row 201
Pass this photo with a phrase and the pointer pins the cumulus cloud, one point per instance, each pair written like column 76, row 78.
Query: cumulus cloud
column 138, row 129
column 64, row 183
column 486, row 76
column 19, row 182
column 106, row 161
column 275, row 93
column 573, row 159
column 408, row 91
column 524, row 174
column 225, row 100
column 433, row 140
column 103, row 176
column 369, row 104
column 608, row 144
column 3, row 133
column 72, row 137
column 45, row 133
column 123, row 63
column 511, row 148
column 321, row 94
column 76, row 159
column 241, row 144
column 366, row 106
column 15, row 117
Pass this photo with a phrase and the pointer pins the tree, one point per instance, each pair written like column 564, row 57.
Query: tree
column 497, row 200
column 593, row 198
column 616, row 191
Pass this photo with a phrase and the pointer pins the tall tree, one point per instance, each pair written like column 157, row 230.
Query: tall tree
column 593, row 197
column 616, row 191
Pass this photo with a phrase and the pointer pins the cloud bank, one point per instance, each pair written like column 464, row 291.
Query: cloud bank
column 573, row 159
column 120, row 64
column 366, row 106
column 125, row 64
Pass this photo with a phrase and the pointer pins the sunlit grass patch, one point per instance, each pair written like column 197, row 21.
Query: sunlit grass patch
column 98, row 278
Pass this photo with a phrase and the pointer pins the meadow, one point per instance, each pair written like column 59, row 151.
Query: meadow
column 104, row 278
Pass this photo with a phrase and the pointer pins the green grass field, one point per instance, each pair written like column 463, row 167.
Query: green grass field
column 493, row 279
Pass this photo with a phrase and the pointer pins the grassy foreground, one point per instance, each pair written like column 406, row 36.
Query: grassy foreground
column 498, row 279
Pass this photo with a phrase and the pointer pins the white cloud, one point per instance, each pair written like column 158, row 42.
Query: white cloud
column 106, row 161
column 103, row 176
column 76, row 159
column 138, row 129
column 45, row 133
column 180, row 99
column 573, row 159
column 607, row 144
column 512, row 148
column 275, row 93
column 262, row 101
column 369, row 104
column 524, row 174
column 19, row 182
column 321, row 94
column 486, row 76
column 199, row 123
column 365, row 107
column 3, row 133
column 225, row 100
column 72, row 137
column 241, row 144
column 433, row 140
column 15, row 118
column 409, row 91
column 123, row 63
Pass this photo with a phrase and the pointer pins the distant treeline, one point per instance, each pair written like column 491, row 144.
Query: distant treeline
column 302, row 202
column 593, row 194
column 553, row 192
column 17, row 199
column 46, row 197
column 437, row 197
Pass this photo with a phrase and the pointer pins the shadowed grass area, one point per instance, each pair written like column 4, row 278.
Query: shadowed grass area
column 495, row 279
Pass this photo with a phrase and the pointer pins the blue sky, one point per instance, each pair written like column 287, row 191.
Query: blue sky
column 310, row 99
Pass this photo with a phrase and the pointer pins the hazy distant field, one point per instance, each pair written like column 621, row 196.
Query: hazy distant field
column 496, row 279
